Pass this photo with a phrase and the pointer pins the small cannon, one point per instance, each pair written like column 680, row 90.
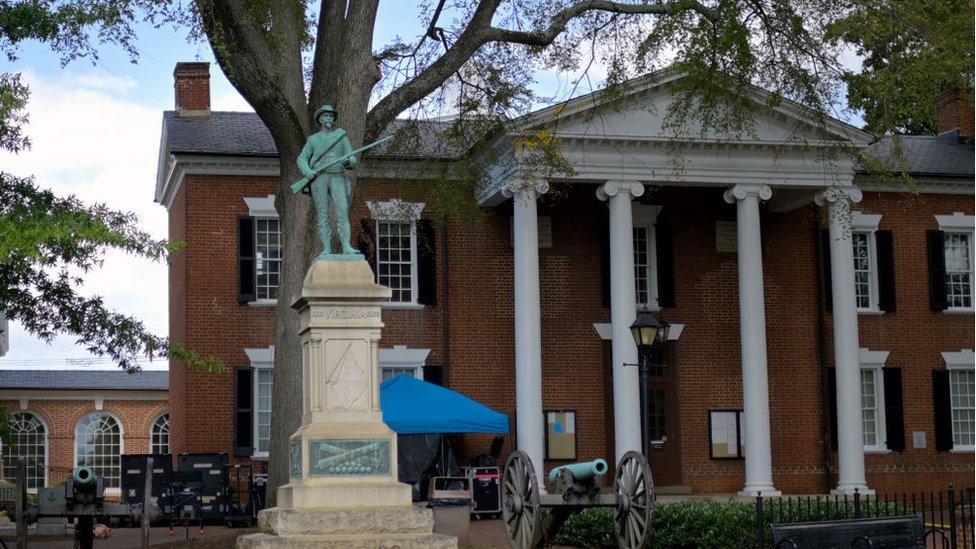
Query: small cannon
column 82, row 499
column 575, row 487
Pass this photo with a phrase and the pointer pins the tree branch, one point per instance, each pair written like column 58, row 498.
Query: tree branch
column 559, row 21
column 479, row 32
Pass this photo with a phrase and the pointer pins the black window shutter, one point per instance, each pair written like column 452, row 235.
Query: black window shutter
column 894, row 409
column 664, row 242
column 832, row 401
column 937, row 270
column 886, row 270
column 943, row 410
column 426, row 262
column 828, row 285
column 243, row 415
column 245, row 260
column 366, row 242
column 604, row 232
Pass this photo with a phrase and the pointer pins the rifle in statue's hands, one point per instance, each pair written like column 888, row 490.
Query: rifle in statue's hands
column 302, row 184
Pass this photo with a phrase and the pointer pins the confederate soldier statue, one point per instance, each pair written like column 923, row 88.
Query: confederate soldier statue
column 323, row 161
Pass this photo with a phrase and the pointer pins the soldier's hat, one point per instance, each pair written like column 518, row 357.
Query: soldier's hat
column 324, row 109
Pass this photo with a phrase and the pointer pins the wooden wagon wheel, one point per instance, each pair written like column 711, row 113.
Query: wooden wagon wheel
column 634, row 513
column 520, row 502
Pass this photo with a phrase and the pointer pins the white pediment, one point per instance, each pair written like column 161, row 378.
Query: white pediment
column 641, row 113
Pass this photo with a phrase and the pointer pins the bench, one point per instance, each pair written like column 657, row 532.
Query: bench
column 874, row 533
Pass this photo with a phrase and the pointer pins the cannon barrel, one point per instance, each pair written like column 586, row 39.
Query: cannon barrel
column 583, row 470
column 84, row 479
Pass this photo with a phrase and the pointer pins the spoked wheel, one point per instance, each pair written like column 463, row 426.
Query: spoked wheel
column 634, row 514
column 520, row 502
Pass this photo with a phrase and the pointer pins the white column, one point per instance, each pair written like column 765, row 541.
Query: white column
column 623, row 310
column 850, row 436
column 752, row 334
column 528, row 320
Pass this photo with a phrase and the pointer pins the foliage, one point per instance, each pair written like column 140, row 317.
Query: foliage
column 713, row 524
column 913, row 50
column 48, row 243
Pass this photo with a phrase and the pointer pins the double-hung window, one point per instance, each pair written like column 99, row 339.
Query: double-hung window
column 645, row 256
column 873, row 400
column 257, row 401
column 956, row 235
column 959, row 270
column 962, row 399
column 259, row 252
column 864, row 229
column 396, row 248
column 267, row 258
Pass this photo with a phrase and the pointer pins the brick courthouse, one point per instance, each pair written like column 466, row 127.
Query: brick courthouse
column 867, row 383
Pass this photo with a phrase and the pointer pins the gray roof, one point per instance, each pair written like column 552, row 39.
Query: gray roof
column 945, row 155
column 244, row 134
column 145, row 380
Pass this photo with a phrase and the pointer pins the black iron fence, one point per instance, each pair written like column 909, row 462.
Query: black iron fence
column 947, row 514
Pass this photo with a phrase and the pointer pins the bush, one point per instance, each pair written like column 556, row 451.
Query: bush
column 713, row 524
column 689, row 524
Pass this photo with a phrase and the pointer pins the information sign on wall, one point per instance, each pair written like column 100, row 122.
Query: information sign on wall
column 561, row 434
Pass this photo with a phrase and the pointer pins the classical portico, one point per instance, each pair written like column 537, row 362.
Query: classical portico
column 626, row 149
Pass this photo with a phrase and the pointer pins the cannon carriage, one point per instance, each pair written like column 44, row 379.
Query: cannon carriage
column 576, row 487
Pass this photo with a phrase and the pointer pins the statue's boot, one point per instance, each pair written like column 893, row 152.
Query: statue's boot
column 325, row 235
column 344, row 239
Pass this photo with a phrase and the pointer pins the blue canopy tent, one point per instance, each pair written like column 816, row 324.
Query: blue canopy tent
column 413, row 407
column 421, row 414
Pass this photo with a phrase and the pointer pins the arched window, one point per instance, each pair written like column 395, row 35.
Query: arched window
column 98, row 444
column 28, row 437
column 159, row 435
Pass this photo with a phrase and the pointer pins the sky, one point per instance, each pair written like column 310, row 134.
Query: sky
column 95, row 130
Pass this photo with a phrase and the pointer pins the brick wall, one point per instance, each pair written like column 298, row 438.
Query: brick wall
column 955, row 111
column 62, row 416
column 478, row 352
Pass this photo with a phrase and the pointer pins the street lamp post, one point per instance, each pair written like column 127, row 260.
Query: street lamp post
column 649, row 334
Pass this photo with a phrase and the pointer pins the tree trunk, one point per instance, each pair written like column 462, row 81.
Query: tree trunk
column 299, row 239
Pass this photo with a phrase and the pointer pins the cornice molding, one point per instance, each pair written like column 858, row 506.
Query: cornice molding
column 743, row 191
column 613, row 188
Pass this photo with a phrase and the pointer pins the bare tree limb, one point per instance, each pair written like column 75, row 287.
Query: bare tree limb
column 479, row 32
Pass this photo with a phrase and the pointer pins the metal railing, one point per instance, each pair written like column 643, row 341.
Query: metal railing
column 947, row 514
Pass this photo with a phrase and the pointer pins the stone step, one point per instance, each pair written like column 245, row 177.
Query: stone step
column 365, row 541
column 394, row 520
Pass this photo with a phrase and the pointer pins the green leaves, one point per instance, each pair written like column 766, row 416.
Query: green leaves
column 913, row 50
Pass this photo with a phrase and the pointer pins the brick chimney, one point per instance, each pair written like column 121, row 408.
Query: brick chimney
column 191, row 82
column 955, row 112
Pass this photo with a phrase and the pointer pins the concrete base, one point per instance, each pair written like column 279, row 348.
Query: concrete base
column 361, row 527
column 343, row 494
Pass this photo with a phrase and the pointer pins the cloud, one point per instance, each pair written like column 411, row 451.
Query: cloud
column 91, row 142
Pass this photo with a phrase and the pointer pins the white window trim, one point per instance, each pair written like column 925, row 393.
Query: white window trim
column 645, row 215
column 47, row 445
column 402, row 357
column 964, row 359
column 261, row 359
column 875, row 361
column 399, row 211
column 869, row 223
column 960, row 223
column 74, row 442
column 152, row 425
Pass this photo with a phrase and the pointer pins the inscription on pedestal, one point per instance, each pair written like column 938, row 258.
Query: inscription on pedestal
column 349, row 457
column 295, row 458
column 344, row 313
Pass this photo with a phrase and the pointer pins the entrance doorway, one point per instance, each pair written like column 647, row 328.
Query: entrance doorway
column 665, row 454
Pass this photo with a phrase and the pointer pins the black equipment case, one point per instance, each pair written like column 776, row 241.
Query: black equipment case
column 214, row 491
column 134, row 476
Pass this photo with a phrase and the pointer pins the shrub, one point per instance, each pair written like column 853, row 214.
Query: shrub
column 713, row 524
column 689, row 524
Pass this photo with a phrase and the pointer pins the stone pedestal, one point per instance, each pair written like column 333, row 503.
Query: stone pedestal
column 342, row 489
